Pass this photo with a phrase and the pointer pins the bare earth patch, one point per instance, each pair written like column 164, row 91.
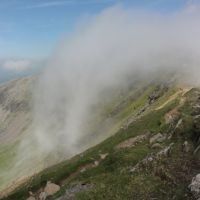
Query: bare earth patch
column 132, row 141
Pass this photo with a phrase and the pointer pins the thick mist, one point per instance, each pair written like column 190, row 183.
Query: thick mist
column 105, row 51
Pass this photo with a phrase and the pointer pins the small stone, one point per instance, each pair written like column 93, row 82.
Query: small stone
column 42, row 196
column 195, row 186
column 166, row 151
column 83, row 170
column 178, row 123
column 150, row 159
column 169, row 137
column 31, row 198
column 31, row 193
column 96, row 163
column 197, row 150
column 135, row 168
column 157, row 138
column 103, row 156
column 156, row 146
column 186, row 147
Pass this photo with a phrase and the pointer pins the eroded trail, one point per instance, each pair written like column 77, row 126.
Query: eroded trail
column 180, row 93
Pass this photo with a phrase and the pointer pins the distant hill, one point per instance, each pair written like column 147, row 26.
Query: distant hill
column 15, row 117
column 15, row 106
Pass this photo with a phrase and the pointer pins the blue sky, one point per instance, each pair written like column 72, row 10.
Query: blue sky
column 30, row 29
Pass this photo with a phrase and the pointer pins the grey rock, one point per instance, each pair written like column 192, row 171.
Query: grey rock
column 73, row 190
column 42, row 196
column 178, row 123
column 157, row 138
column 96, row 163
column 197, row 149
column 186, row 147
column 166, row 151
column 195, row 186
column 103, row 156
column 145, row 162
column 156, row 146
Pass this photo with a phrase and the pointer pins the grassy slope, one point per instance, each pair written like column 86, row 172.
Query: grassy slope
column 15, row 99
column 119, row 116
column 167, row 178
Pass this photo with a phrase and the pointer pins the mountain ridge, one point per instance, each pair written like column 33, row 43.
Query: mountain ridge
column 164, row 110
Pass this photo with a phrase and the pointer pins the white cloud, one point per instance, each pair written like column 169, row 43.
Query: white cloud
column 66, row 2
column 17, row 65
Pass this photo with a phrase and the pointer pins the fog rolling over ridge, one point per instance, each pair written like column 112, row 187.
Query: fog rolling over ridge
column 100, row 55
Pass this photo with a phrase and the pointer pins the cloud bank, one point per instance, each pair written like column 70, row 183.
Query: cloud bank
column 17, row 65
column 99, row 56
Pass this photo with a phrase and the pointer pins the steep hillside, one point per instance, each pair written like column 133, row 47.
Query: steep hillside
column 116, row 109
column 14, row 108
column 15, row 103
column 154, row 153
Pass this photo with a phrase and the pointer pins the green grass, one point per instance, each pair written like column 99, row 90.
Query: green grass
column 7, row 155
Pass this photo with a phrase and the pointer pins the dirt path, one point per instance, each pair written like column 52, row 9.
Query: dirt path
column 181, row 92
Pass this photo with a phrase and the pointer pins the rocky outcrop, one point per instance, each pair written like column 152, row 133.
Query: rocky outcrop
column 165, row 152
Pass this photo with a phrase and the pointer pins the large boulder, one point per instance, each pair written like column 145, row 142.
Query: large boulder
column 51, row 188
